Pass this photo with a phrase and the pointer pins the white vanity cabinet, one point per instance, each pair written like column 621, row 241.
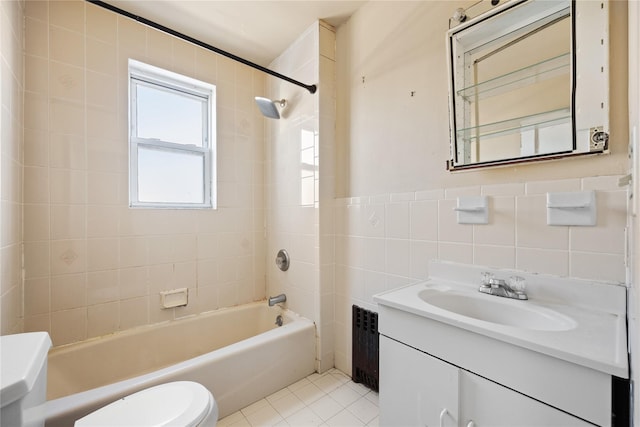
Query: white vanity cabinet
column 485, row 403
column 453, row 356
column 414, row 387
column 417, row 389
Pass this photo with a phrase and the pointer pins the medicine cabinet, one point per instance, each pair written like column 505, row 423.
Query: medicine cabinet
column 528, row 80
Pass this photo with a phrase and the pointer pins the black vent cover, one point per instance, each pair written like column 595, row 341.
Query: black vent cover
column 366, row 347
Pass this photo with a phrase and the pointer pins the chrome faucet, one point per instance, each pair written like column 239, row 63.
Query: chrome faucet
column 277, row 299
column 500, row 288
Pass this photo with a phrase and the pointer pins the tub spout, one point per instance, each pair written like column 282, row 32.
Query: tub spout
column 277, row 299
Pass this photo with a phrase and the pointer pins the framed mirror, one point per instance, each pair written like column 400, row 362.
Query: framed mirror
column 528, row 81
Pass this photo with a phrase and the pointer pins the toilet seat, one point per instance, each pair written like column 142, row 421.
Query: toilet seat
column 180, row 403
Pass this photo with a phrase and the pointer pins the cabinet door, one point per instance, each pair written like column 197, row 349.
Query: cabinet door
column 415, row 388
column 484, row 403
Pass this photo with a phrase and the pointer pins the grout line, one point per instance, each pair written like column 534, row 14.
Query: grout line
column 337, row 400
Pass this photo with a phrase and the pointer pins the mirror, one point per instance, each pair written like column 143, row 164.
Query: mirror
column 519, row 88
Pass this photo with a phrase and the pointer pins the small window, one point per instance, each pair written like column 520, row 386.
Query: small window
column 171, row 139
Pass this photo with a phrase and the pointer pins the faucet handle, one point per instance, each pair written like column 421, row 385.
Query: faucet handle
column 517, row 283
column 486, row 278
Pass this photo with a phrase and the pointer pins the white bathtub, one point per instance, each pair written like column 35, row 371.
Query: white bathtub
column 237, row 353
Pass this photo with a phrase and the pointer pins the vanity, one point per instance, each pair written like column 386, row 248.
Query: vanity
column 453, row 356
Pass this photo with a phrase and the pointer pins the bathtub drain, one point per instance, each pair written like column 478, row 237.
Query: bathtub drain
column 279, row 320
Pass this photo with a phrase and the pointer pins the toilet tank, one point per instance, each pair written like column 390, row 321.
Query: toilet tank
column 23, row 378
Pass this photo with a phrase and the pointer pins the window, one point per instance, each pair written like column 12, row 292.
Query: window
column 171, row 139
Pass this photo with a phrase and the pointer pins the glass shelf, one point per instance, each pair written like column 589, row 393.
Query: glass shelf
column 535, row 73
column 516, row 125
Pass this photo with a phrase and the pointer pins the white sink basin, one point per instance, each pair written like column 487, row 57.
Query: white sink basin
column 494, row 309
column 578, row 321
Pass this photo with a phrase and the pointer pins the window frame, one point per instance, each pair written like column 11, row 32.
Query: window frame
column 141, row 74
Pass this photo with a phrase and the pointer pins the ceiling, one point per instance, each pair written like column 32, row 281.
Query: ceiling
column 257, row 30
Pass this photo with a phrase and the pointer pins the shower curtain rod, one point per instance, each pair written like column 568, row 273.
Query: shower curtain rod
column 311, row 88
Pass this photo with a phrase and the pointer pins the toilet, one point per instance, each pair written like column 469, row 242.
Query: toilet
column 180, row 403
column 23, row 388
column 23, row 378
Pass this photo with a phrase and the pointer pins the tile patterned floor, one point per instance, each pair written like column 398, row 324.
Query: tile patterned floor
column 327, row 400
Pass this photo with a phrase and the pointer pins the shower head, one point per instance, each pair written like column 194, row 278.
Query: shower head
column 268, row 107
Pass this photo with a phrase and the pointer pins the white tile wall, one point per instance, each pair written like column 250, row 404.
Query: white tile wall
column 299, row 199
column 11, row 164
column 93, row 265
column 385, row 241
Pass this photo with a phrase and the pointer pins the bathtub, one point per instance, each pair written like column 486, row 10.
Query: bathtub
column 238, row 353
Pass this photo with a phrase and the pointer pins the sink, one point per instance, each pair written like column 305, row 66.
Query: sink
column 565, row 320
column 502, row 311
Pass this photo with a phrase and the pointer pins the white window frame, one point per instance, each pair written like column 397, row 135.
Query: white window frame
column 148, row 75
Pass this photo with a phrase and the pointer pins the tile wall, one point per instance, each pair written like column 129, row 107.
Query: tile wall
column 300, row 186
column 92, row 264
column 386, row 241
column 11, row 160
column 326, row 191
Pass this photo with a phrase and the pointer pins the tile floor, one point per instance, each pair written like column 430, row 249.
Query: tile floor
column 327, row 400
